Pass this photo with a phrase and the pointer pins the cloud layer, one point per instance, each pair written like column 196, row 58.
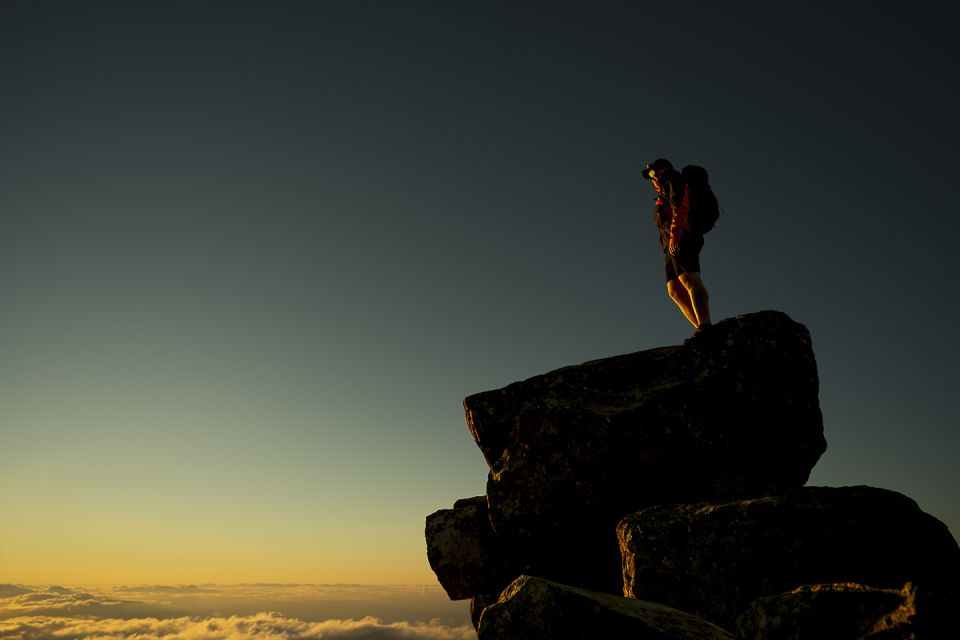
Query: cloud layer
column 262, row 626
column 55, row 600
column 210, row 612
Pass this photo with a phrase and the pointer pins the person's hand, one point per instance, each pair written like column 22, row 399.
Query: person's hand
column 674, row 246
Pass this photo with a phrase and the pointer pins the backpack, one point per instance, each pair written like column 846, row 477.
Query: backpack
column 704, row 208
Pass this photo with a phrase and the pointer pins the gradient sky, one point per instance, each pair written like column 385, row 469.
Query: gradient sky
column 254, row 254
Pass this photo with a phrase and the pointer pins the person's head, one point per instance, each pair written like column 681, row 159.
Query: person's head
column 655, row 169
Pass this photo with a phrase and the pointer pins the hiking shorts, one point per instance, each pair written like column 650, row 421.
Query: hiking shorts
column 687, row 259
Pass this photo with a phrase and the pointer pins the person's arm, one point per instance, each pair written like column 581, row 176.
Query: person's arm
column 680, row 221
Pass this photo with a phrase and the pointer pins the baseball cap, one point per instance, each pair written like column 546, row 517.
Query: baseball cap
column 657, row 165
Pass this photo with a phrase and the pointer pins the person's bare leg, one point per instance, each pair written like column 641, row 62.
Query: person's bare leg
column 699, row 298
column 678, row 292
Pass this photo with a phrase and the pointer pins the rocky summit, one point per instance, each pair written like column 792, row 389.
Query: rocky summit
column 660, row 494
column 738, row 416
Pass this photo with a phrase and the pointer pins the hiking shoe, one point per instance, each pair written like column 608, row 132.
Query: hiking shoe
column 701, row 336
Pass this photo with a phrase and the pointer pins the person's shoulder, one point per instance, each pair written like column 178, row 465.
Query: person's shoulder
column 672, row 177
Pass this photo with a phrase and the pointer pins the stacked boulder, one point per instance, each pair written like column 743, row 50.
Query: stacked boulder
column 664, row 489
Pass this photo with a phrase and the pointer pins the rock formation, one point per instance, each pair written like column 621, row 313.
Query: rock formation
column 531, row 608
column 714, row 559
column 674, row 475
column 464, row 551
column 666, row 425
column 848, row 611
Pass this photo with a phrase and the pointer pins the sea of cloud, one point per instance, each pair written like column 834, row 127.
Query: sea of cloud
column 209, row 612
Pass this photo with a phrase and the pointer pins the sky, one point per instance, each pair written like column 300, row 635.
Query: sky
column 253, row 255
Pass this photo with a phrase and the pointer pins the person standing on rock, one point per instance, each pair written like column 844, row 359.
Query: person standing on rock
column 681, row 245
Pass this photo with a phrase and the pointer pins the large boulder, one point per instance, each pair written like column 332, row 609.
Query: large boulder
column 464, row 552
column 478, row 604
column 714, row 559
column 532, row 608
column 849, row 611
column 734, row 415
column 470, row 559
